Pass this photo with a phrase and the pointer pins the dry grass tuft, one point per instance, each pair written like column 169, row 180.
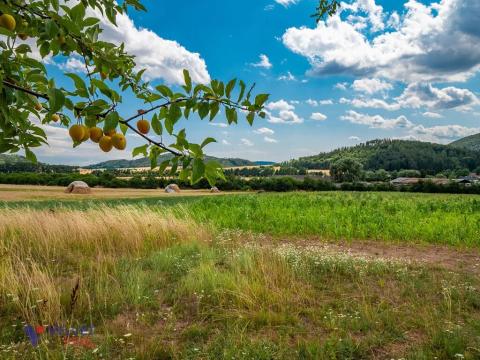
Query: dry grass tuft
column 43, row 254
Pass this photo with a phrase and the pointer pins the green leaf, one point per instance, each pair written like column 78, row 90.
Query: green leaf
column 188, row 81
column 79, row 84
column 228, row 90
column 251, row 117
column 111, row 121
column 56, row 100
column 157, row 125
column 30, row 155
column 213, row 171
column 198, row 170
column 207, row 141
column 231, row 115
column 261, row 99
column 203, row 109
column 164, row 90
column 140, row 150
column 174, row 113
column 214, row 108
column 242, row 91
column 163, row 166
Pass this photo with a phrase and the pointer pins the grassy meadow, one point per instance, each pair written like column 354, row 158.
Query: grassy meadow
column 240, row 277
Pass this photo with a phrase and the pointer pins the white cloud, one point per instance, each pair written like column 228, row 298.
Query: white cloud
column 279, row 105
column 286, row 3
column 371, row 103
column 435, row 42
column 263, row 63
column 425, row 95
column 341, row 86
column 225, row 142
column 264, row 131
column 437, row 133
column 270, row 140
column 318, row 116
column 373, row 11
column 282, row 112
column 163, row 59
column 246, row 142
column 377, row 121
column 222, row 125
column 422, row 95
column 432, row 115
column 287, row 77
column 371, row 86
column 315, row 103
column 354, row 138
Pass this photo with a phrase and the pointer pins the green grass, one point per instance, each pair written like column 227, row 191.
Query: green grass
column 395, row 217
column 184, row 280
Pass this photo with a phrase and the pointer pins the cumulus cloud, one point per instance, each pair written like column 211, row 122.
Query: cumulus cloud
column 264, row 62
column 354, row 138
column 441, row 133
column 287, row 77
column 163, row 59
column 425, row 95
column 264, row 131
column 318, row 116
column 422, row 95
column 225, row 142
column 432, row 115
column 246, row 142
column 270, row 140
column 435, row 42
column 371, row 86
column 315, row 103
column 286, row 3
column 282, row 112
column 377, row 121
column 341, row 86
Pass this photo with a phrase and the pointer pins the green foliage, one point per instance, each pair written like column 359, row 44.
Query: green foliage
column 396, row 155
column 470, row 142
column 346, row 170
column 66, row 30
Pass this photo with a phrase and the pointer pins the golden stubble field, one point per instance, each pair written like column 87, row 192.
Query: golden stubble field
column 37, row 192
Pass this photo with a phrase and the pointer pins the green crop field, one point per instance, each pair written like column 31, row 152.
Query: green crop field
column 256, row 276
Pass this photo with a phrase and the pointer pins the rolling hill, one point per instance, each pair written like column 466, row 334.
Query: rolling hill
column 470, row 142
column 145, row 162
column 398, row 155
column 17, row 163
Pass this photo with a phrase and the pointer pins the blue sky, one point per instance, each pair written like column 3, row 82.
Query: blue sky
column 379, row 69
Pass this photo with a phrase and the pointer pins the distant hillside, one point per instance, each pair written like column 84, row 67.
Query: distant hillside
column 398, row 155
column 17, row 163
column 145, row 162
column 470, row 142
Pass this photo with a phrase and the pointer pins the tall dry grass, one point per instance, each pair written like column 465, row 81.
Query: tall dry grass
column 44, row 253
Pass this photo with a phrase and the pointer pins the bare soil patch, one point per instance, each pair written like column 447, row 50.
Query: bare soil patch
column 449, row 258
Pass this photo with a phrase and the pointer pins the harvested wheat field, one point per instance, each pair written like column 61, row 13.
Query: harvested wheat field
column 37, row 192
column 194, row 281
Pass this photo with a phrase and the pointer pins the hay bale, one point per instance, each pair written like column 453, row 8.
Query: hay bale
column 214, row 189
column 172, row 188
column 78, row 187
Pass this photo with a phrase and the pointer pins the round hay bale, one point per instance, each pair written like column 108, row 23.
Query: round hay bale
column 214, row 189
column 78, row 187
column 172, row 188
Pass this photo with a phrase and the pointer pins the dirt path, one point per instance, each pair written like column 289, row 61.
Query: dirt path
column 458, row 260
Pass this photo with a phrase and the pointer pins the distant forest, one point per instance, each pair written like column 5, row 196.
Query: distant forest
column 395, row 155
